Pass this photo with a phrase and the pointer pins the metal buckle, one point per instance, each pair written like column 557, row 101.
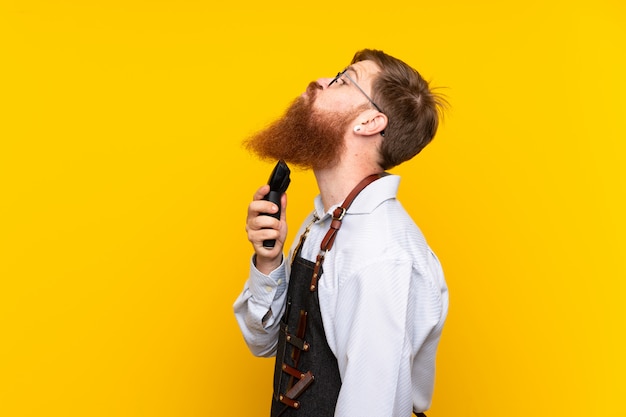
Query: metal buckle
column 340, row 216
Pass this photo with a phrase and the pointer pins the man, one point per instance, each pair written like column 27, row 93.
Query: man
column 355, row 312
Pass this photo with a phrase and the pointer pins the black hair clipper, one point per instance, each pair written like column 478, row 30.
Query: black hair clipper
column 279, row 181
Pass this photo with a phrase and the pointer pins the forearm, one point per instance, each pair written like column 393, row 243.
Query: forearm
column 259, row 307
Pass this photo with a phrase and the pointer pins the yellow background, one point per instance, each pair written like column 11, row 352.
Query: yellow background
column 124, row 190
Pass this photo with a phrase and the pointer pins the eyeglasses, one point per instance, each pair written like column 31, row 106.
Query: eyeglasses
column 342, row 73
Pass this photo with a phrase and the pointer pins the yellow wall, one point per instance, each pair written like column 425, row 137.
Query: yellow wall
column 123, row 193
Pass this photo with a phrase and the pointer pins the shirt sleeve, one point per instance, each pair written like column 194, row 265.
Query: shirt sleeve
column 259, row 307
column 377, row 345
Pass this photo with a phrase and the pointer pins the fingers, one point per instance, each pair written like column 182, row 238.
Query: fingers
column 261, row 192
column 259, row 206
column 261, row 227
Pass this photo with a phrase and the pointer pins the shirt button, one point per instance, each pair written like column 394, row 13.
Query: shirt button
column 268, row 288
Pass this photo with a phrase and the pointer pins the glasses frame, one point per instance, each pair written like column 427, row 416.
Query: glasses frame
column 344, row 72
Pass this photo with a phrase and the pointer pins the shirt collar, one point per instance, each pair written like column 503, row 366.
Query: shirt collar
column 371, row 197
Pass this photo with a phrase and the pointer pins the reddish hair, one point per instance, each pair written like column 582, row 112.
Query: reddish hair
column 412, row 109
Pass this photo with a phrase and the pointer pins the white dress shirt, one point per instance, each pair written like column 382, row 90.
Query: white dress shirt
column 383, row 300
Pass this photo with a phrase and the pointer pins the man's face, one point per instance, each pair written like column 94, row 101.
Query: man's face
column 343, row 93
column 311, row 133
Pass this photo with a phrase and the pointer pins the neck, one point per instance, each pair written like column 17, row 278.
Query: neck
column 335, row 183
column 358, row 160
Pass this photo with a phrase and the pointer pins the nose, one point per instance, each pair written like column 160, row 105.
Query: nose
column 312, row 88
column 324, row 82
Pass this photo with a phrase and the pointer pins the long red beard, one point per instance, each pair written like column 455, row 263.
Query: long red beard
column 303, row 137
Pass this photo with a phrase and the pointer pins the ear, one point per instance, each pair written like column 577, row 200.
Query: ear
column 373, row 125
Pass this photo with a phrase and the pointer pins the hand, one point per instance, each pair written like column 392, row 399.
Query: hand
column 260, row 227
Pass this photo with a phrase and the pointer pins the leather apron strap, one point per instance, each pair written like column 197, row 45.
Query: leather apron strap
column 335, row 225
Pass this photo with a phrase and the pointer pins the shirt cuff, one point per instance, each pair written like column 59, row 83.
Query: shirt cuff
column 267, row 287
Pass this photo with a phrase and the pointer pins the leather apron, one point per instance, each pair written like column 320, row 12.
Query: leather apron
column 306, row 375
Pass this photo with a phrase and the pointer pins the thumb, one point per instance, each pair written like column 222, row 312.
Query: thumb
column 283, row 204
